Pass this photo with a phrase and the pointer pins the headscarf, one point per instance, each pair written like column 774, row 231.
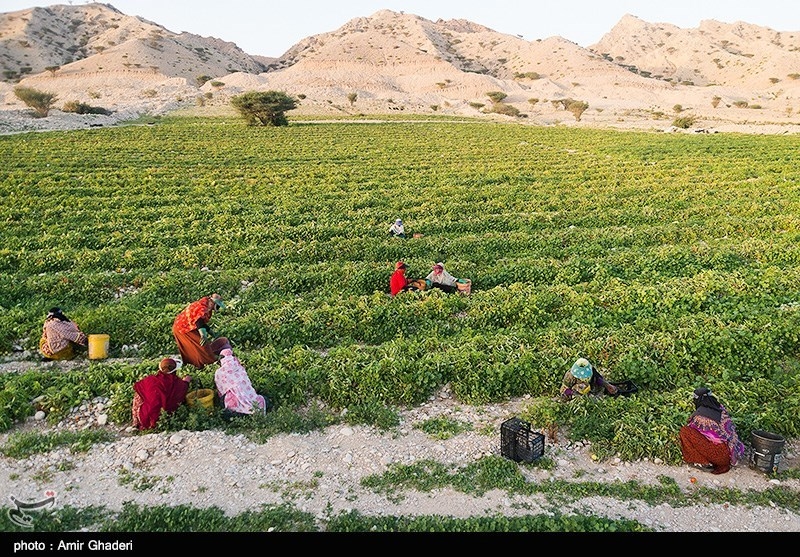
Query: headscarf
column 167, row 365
column 581, row 369
column 55, row 312
column 706, row 404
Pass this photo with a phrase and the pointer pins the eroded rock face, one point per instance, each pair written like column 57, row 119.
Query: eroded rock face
column 396, row 62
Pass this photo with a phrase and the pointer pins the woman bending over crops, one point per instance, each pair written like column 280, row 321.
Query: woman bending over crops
column 61, row 337
column 709, row 439
column 161, row 391
column 583, row 379
column 235, row 389
column 193, row 335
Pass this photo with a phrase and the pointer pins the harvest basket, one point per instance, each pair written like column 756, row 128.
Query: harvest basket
column 419, row 284
column 203, row 398
column 519, row 443
column 465, row 287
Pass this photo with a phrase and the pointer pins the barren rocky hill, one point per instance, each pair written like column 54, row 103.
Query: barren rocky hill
column 639, row 75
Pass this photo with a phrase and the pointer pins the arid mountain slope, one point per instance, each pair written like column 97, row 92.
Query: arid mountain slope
column 639, row 75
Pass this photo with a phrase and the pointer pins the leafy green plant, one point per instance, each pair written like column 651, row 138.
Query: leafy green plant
column 443, row 427
column 25, row 444
column 40, row 101
column 267, row 108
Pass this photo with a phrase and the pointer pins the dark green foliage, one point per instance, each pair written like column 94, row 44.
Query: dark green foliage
column 22, row 445
column 267, row 108
column 354, row 521
column 592, row 245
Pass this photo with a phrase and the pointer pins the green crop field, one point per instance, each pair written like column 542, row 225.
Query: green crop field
column 672, row 260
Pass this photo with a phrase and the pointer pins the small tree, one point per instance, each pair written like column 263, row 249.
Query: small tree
column 577, row 108
column 715, row 101
column 352, row 98
column 40, row 101
column 264, row 108
column 52, row 69
column 496, row 96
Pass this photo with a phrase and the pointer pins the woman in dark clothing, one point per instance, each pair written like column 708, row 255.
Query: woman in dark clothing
column 709, row 439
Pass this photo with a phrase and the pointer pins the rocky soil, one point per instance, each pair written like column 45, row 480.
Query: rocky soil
column 321, row 471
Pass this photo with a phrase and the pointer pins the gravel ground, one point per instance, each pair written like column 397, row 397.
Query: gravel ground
column 321, row 471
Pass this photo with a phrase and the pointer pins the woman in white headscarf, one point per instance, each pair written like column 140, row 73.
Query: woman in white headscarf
column 233, row 385
column 397, row 230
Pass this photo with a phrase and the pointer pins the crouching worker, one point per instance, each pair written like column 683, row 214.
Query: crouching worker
column 441, row 279
column 61, row 337
column 397, row 230
column 709, row 439
column 235, row 389
column 398, row 282
column 193, row 335
column 583, row 379
column 161, row 391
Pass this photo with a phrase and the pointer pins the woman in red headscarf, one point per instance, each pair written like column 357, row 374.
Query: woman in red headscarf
column 161, row 391
column 194, row 337
column 400, row 283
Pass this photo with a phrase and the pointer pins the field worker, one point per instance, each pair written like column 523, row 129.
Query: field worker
column 163, row 390
column 400, row 283
column 441, row 279
column 193, row 335
column 709, row 438
column 61, row 337
column 235, row 390
column 397, row 230
column 583, row 379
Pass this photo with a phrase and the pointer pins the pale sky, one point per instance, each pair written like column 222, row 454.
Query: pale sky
column 269, row 28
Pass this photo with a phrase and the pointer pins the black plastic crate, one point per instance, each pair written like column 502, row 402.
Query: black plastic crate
column 519, row 443
column 625, row 388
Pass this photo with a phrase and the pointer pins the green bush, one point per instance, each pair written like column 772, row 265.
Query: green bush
column 505, row 109
column 40, row 101
column 684, row 122
column 264, row 108
column 83, row 108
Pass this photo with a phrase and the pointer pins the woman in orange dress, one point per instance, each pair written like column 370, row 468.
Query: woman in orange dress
column 194, row 337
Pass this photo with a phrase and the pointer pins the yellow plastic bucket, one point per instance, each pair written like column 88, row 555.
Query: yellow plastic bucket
column 202, row 397
column 98, row 347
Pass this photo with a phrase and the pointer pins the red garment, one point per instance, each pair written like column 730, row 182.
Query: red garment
column 398, row 281
column 160, row 391
column 699, row 449
column 187, row 320
column 184, row 329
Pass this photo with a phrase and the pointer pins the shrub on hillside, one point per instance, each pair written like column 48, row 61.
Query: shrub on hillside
column 40, row 101
column 264, row 108
column 83, row 108
column 684, row 122
column 496, row 96
column 505, row 109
